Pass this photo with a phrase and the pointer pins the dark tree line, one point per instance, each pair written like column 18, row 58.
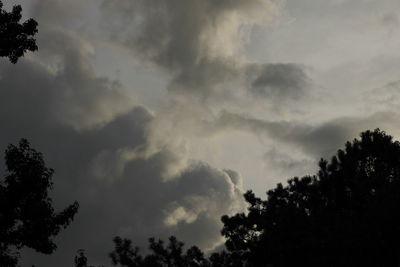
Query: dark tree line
column 171, row 254
column 346, row 215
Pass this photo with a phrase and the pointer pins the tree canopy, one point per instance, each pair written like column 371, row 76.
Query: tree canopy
column 170, row 255
column 16, row 38
column 27, row 216
column 346, row 215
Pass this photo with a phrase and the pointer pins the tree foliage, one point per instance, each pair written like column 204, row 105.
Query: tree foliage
column 346, row 215
column 16, row 38
column 170, row 255
column 27, row 216
column 81, row 259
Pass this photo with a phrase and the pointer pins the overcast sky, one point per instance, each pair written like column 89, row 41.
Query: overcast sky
column 158, row 114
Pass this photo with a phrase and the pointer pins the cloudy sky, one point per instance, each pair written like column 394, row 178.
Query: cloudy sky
column 158, row 114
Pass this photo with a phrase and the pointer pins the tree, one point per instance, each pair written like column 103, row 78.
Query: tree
column 172, row 255
column 27, row 216
column 81, row 259
column 346, row 215
column 16, row 38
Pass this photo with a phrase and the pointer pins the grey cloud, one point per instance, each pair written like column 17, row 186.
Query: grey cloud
column 288, row 165
column 200, row 44
column 390, row 20
column 97, row 141
column 139, row 204
column 279, row 81
column 320, row 140
column 235, row 177
column 206, row 192
column 336, row 8
column 180, row 36
column 78, row 97
column 385, row 98
column 51, row 13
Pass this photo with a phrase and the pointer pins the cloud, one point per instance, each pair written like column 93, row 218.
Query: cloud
column 279, row 81
column 71, row 94
column 385, row 98
column 100, row 144
column 179, row 34
column 200, row 44
column 315, row 140
column 390, row 20
column 288, row 164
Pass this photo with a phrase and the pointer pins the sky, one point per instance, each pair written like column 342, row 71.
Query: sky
column 157, row 115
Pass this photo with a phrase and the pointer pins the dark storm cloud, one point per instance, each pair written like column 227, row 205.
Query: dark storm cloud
column 200, row 44
column 278, row 81
column 78, row 97
column 120, row 191
column 98, row 142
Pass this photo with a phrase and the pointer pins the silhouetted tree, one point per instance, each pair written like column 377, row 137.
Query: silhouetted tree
column 226, row 259
column 16, row 38
column 81, row 259
column 27, row 217
column 124, row 254
column 171, row 255
column 346, row 215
